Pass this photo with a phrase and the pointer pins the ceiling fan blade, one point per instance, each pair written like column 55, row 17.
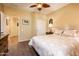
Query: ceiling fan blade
column 33, row 5
column 45, row 5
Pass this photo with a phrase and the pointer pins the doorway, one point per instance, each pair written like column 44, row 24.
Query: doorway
column 13, row 30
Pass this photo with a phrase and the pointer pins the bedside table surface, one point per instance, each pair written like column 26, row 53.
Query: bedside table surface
column 49, row 32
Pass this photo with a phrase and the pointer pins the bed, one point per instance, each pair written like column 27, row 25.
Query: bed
column 55, row 45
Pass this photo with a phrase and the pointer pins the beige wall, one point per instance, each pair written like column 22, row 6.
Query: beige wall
column 68, row 15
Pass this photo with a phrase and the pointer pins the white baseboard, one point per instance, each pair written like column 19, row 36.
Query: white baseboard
column 23, row 40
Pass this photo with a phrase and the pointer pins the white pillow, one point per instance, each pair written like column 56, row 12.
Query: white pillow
column 69, row 33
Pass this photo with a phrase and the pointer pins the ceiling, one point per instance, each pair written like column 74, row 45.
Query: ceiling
column 25, row 6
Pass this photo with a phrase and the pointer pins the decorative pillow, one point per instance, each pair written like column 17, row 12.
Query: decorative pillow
column 58, row 31
column 76, row 33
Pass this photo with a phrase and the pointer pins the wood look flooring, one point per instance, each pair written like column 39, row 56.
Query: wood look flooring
column 20, row 49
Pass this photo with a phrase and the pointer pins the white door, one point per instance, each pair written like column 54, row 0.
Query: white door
column 40, row 26
column 3, row 22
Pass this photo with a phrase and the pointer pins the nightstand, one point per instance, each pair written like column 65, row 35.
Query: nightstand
column 48, row 33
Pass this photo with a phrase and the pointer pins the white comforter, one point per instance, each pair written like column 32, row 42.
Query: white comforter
column 49, row 45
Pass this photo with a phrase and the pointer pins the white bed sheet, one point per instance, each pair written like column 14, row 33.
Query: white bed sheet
column 55, row 45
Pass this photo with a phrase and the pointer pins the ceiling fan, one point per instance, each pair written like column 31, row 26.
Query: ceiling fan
column 39, row 6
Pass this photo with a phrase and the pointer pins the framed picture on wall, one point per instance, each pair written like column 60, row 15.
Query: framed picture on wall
column 7, row 20
column 25, row 21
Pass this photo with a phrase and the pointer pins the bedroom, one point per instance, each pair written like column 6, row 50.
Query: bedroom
column 22, row 23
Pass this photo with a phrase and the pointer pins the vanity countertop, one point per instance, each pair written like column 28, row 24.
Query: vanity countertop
column 3, row 35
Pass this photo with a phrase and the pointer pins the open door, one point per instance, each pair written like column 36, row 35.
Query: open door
column 13, row 30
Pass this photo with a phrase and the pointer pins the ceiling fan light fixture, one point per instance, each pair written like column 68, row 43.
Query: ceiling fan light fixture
column 39, row 6
column 39, row 9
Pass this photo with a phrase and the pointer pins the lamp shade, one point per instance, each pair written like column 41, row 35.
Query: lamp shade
column 50, row 25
